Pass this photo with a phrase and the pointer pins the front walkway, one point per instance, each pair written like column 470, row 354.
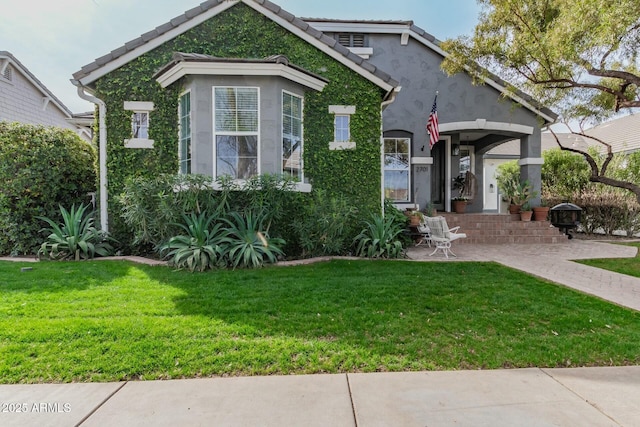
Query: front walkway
column 553, row 262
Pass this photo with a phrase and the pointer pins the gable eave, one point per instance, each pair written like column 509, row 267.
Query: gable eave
column 207, row 10
column 35, row 82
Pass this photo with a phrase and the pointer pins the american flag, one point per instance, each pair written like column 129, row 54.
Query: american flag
column 432, row 125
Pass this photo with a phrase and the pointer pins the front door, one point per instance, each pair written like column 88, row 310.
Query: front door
column 438, row 175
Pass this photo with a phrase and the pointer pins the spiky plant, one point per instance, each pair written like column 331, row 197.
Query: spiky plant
column 75, row 238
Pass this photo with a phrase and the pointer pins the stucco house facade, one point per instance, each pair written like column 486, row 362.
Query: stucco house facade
column 25, row 99
column 339, row 105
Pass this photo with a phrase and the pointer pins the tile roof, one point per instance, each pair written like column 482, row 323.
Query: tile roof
column 623, row 133
column 189, row 15
column 547, row 142
column 200, row 57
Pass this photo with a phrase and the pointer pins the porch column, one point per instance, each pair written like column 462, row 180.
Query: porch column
column 531, row 162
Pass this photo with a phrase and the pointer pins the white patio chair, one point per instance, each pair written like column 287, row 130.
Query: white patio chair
column 441, row 235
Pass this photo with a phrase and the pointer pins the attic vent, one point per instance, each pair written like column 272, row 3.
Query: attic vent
column 7, row 73
column 352, row 39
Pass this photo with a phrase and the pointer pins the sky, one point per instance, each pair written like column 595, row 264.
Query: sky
column 55, row 38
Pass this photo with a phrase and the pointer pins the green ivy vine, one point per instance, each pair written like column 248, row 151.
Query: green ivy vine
column 241, row 32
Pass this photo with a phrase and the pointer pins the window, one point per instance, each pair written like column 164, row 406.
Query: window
column 342, row 127
column 236, row 131
column 184, row 152
column 397, row 177
column 140, row 125
column 292, row 135
column 140, row 120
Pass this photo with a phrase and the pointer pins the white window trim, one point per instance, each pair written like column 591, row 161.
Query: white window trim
column 215, row 134
column 142, row 107
column 410, row 173
column 302, row 131
column 180, row 132
column 342, row 110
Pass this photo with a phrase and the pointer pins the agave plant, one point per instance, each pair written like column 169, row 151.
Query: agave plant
column 248, row 246
column 201, row 247
column 75, row 238
column 380, row 239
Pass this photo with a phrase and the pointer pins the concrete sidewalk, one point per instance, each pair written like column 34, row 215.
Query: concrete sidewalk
column 519, row 397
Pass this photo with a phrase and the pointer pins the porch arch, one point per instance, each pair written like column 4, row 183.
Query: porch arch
column 486, row 125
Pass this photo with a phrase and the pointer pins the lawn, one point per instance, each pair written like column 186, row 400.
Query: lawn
column 628, row 266
column 114, row 320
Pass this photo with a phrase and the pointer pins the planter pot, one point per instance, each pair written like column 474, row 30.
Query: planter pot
column 514, row 209
column 414, row 220
column 459, row 206
column 540, row 213
column 525, row 215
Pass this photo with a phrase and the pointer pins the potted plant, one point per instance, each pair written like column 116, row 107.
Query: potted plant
column 518, row 193
column 459, row 203
column 540, row 213
column 526, row 212
column 414, row 215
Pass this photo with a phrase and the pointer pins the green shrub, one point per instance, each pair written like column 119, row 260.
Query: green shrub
column 605, row 210
column 564, row 174
column 152, row 207
column 326, row 226
column 380, row 238
column 201, row 248
column 75, row 238
column 40, row 169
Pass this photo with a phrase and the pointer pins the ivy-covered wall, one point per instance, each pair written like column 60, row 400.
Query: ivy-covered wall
column 241, row 32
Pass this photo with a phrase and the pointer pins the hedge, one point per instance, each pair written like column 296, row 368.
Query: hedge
column 41, row 168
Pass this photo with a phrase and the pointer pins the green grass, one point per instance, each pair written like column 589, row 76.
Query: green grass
column 628, row 266
column 110, row 321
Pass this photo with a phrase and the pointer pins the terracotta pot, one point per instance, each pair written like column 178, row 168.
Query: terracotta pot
column 414, row 220
column 459, row 206
column 514, row 209
column 525, row 215
column 540, row 213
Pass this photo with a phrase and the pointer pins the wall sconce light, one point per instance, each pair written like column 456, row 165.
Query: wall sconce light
column 456, row 150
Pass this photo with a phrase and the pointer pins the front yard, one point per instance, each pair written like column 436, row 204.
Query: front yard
column 111, row 321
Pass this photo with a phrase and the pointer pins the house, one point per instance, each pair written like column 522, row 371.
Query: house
column 623, row 134
column 242, row 87
column 25, row 99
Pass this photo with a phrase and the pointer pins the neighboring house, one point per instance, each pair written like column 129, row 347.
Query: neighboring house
column 24, row 99
column 623, row 134
column 241, row 87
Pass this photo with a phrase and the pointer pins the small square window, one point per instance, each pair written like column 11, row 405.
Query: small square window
column 140, row 125
column 341, row 128
column 140, row 118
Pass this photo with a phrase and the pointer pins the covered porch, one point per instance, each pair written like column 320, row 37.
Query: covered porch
column 461, row 149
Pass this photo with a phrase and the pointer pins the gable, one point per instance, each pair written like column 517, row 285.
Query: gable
column 404, row 31
column 195, row 17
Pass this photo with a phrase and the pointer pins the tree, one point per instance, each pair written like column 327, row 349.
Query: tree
column 578, row 56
